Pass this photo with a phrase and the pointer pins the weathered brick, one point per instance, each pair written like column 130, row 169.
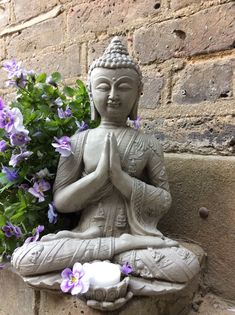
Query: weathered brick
column 98, row 16
column 26, row 9
column 207, row 81
column 2, row 49
column 179, row 4
column 30, row 41
column 207, row 31
column 153, row 84
column 4, row 14
column 96, row 49
column 67, row 62
column 198, row 135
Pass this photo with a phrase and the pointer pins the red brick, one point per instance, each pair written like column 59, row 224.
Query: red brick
column 207, row 31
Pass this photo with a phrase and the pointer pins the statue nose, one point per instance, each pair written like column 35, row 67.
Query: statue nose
column 113, row 94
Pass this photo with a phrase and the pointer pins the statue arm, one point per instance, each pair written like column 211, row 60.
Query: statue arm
column 71, row 192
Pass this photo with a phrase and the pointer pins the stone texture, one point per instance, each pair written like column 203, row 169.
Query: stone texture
column 4, row 14
column 67, row 62
column 200, row 33
column 26, row 9
column 179, row 4
column 98, row 16
column 196, row 182
column 32, row 40
column 207, row 81
column 200, row 135
column 153, row 84
column 15, row 297
column 2, row 49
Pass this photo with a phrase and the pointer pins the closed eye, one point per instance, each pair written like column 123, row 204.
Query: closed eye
column 124, row 86
column 103, row 87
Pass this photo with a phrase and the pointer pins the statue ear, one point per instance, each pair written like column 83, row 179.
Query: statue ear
column 133, row 113
column 94, row 113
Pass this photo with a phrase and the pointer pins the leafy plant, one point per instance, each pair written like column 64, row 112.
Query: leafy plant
column 45, row 112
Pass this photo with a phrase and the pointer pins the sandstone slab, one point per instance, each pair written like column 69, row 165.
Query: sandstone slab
column 209, row 182
column 186, row 37
column 207, row 81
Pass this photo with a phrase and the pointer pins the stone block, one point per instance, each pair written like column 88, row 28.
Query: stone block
column 205, row 181
column 198, row 135
column 207, row 81
column 2, row 49
column 98, row 16
column 179, row 4
column 36, row 38
column 15, row 296
column 67, row 62
column 153, row 84
column 4, row 14
column 26, row 9
column 201, row 33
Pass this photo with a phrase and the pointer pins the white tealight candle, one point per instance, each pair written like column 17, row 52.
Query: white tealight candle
column 103, row 274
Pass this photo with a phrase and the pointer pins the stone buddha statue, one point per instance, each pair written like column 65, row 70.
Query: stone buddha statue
column 117, row 180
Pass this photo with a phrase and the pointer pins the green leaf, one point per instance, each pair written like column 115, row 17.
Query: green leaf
column 56, row 76
column 41, row 78
column 69, row 91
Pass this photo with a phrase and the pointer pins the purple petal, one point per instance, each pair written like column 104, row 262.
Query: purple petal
column 76, row 289
column 40, row 228
column 65, row 286
column 66, row 273
column 77, row 268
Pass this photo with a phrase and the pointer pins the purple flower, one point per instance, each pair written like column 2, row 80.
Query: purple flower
column 16, row 75
column 24, row 186
column 11, row 174
column 58, row 102
column 17, row 158
column 52, row 214
column 36, row 234
column 3, row 145
column 11, row 230
column 137, row 123
column 75, row 280
column 19, row 138
column 81, row 126
column 64, row 114
column 12, row 120
column 38, row 189
column 2, row 104
column 63, row 146
column 126, row 269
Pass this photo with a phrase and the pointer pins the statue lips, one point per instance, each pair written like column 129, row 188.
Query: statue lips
column 113, row 104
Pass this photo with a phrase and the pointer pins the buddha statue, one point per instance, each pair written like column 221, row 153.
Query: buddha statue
column 117, row 180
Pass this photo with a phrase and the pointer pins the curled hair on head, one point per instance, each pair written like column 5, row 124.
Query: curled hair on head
column 115, row 57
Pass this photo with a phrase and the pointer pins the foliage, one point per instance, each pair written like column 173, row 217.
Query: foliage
column 43, row 112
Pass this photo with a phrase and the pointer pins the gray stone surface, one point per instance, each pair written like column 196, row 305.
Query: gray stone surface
column 186, row 36
column 15, row 296
column 200, row 135
column 206, row 81
column 196, row 182
column 153, row 85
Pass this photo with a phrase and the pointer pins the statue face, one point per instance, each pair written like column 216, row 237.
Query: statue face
column 114, row 92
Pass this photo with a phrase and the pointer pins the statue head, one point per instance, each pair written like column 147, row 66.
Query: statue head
column 115, row 68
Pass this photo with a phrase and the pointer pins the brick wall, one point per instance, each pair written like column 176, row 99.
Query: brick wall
column 186, row 50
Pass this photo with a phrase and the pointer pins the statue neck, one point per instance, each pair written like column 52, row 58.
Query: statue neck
column 108, row 124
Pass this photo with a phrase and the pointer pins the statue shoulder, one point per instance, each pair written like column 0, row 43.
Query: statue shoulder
column 77, row 141
column 150, row 143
